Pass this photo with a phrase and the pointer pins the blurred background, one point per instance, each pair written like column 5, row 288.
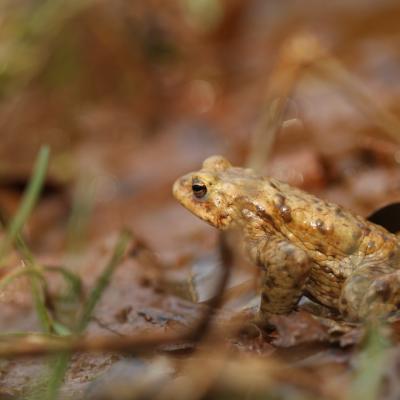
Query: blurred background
column 129, row 95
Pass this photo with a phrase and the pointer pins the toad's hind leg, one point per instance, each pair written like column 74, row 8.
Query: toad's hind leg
column 286, row 271
column 371, row 292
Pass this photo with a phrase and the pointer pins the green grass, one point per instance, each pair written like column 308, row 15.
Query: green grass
column 13, row 236
column 28, row 202
column 59, row 365
column 83, row 201
column 104, row 280
column 49, row 386
column 371, row 365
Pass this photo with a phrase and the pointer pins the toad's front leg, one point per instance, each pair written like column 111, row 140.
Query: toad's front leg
column 285, row 272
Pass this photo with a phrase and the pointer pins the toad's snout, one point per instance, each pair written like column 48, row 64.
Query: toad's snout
column 181, row 188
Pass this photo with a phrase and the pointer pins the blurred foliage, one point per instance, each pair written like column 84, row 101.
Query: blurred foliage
column 30, row 32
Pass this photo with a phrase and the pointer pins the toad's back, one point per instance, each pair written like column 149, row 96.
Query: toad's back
column 326, row 231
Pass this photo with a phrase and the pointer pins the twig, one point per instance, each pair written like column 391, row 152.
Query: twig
column 294, row 57
column 305, row 52
column 38, row 345
column 216, row 301
column 331, row 68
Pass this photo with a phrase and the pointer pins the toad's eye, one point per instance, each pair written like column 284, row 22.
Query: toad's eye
column 199, row 190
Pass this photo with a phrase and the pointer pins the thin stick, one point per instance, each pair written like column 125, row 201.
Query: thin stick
column 216, row 301
column 38, row 345
column 294, row 57
column 331, row 68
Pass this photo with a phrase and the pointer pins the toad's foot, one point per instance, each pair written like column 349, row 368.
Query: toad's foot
column 366, row 296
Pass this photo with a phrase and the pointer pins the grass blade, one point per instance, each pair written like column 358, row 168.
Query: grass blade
column 37, row 282
column 37, row 286
column 83, row 202
column 40, row 306
column 48, row 386
column 369, row 375
column 59, row 365
column 18, row 272
column 72, row 279
column 28, row 201
column 104, row 279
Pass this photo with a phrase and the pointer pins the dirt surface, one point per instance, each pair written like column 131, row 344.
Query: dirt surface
column 129, row 96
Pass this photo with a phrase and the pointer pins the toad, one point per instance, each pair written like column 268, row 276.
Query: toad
column 304, row 245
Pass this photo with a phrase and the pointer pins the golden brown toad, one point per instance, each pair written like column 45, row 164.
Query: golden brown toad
column 305, row 245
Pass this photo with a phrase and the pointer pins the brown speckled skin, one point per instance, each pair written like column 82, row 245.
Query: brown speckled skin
column 304, row 244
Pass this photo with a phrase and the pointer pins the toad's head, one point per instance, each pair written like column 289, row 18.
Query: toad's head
column 212, row 192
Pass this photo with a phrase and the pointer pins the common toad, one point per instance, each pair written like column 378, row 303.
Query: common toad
column 304, row 245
